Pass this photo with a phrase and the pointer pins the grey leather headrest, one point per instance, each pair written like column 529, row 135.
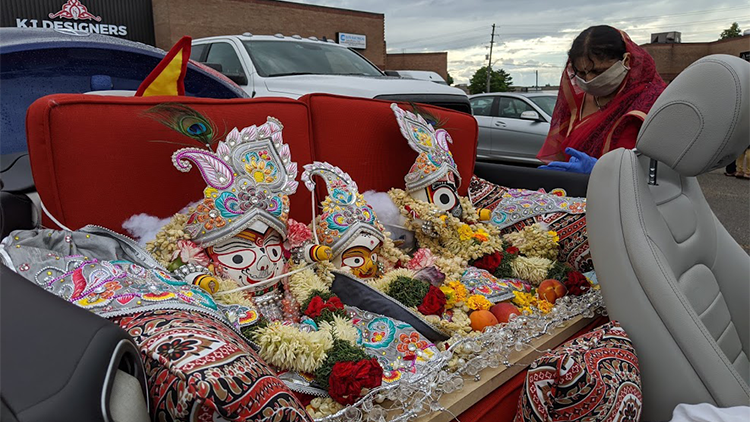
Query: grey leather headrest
column 702, row 119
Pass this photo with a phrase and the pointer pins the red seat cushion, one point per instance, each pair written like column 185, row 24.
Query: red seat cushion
column 100, row 160
column 361, row 136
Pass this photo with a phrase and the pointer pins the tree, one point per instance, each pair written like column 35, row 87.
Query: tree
column 500, row 81
column 449, row 80
column 733, row 31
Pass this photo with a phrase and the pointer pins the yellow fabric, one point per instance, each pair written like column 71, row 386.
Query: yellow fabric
column 166, row 82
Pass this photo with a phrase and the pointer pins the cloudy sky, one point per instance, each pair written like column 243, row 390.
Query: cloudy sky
column 535, row 34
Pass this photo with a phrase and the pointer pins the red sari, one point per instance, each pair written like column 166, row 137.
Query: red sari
column 616, row 125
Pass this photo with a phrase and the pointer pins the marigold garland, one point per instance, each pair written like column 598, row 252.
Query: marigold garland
column 528, row 302
column 478, row 302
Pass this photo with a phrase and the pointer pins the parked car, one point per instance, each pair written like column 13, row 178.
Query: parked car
column 35, row 62
column 512, row 126
column 424, row 75
column 279, row 66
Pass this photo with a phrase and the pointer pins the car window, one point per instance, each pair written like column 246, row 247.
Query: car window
column 481, row 106
column 546, row 103
column 222, row 53
column 196, row 52
column 513, row 107
column 279, row 58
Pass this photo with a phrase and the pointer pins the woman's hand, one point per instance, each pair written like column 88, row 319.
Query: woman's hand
column 579, row 162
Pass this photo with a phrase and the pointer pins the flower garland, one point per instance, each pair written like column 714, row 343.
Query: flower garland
column 444, row 234
column 165, row 244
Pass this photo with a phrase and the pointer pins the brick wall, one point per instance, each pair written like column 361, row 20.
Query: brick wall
column 436, row 62
column 204, row 18
column 671, row 59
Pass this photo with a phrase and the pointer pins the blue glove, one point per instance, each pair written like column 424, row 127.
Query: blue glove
column 579, row 162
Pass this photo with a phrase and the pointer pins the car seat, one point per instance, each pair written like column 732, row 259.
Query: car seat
column 669, row 271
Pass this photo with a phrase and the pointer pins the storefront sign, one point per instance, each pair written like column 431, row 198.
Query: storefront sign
column 132, row 19
column 352, row 40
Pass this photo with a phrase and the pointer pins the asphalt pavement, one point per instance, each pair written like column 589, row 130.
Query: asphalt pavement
column 729, row 199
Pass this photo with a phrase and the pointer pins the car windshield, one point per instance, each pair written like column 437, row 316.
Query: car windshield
column 283, row 58
column 545, row 102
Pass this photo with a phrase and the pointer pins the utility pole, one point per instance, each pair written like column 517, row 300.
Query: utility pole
column 536, row 84
column 489, row 63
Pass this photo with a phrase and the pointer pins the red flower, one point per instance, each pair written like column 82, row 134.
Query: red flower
column 433, row 303
column 489, row 262
column 349, row 378
column 512, row 250
column 317, row 305
column 576, row 283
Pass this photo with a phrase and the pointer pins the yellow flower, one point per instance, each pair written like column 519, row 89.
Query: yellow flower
column 523, row 299
column 450, row 296
column 481, row 235
column 443, row 218
column 465, row 232
column 459, row 290
column 477, row 302
column 553, row 234
column 544, row 306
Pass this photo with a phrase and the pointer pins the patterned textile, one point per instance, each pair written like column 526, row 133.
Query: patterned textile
column 570, row 225
column 198, row 369
column 594, row 377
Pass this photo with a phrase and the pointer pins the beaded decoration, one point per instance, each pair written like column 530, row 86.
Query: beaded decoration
column 435, row 159
column 346, row 215
column 249, row 177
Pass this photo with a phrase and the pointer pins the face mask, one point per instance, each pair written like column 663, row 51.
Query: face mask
column 606, row 83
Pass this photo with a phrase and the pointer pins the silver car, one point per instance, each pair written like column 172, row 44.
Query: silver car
column 512, row 126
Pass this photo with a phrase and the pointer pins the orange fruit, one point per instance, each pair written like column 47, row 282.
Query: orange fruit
column 481, row 318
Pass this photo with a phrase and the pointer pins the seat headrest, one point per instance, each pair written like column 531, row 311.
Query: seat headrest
column 702, row 119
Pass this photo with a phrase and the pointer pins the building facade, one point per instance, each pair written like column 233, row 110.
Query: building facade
column 673, row 58
column 205, row 18
column 436, row 62
column 163, row 22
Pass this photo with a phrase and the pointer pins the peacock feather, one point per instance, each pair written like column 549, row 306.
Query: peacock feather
column 185, row 120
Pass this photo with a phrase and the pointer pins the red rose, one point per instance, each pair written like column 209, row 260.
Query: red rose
column 317, row 305
column 370, row 372
column 489, row 262
column 576, row 283
column 512, row 250
column 433, row 303
column 349, row 378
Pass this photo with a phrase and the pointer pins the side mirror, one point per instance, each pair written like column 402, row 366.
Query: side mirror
column 531, row 115
column 238, row 78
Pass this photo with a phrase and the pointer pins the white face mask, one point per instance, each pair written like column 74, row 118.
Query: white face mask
column 606, row 83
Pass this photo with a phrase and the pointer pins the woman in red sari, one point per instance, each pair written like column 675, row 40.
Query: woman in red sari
column 608, row 86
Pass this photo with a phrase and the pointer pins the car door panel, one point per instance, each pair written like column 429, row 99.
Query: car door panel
column 514, row 137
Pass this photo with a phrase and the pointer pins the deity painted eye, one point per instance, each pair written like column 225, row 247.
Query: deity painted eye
column 444, row 198
column 273, row 252
column 354, row 261
column 238, row 259
column 374, row 257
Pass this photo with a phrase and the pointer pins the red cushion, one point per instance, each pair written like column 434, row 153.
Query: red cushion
column 99, row 160
column 361, row 136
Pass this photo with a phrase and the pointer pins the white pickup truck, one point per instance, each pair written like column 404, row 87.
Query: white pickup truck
column 279, row 66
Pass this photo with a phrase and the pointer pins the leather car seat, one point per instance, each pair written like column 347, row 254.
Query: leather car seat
column 669, row 271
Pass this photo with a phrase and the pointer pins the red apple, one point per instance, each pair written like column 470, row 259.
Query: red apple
column 550, row 290
column 503, row 311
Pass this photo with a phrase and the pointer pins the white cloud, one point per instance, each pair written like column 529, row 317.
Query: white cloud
column 535, row 34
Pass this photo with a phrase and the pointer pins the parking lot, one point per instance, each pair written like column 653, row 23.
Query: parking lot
column 729, row 198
